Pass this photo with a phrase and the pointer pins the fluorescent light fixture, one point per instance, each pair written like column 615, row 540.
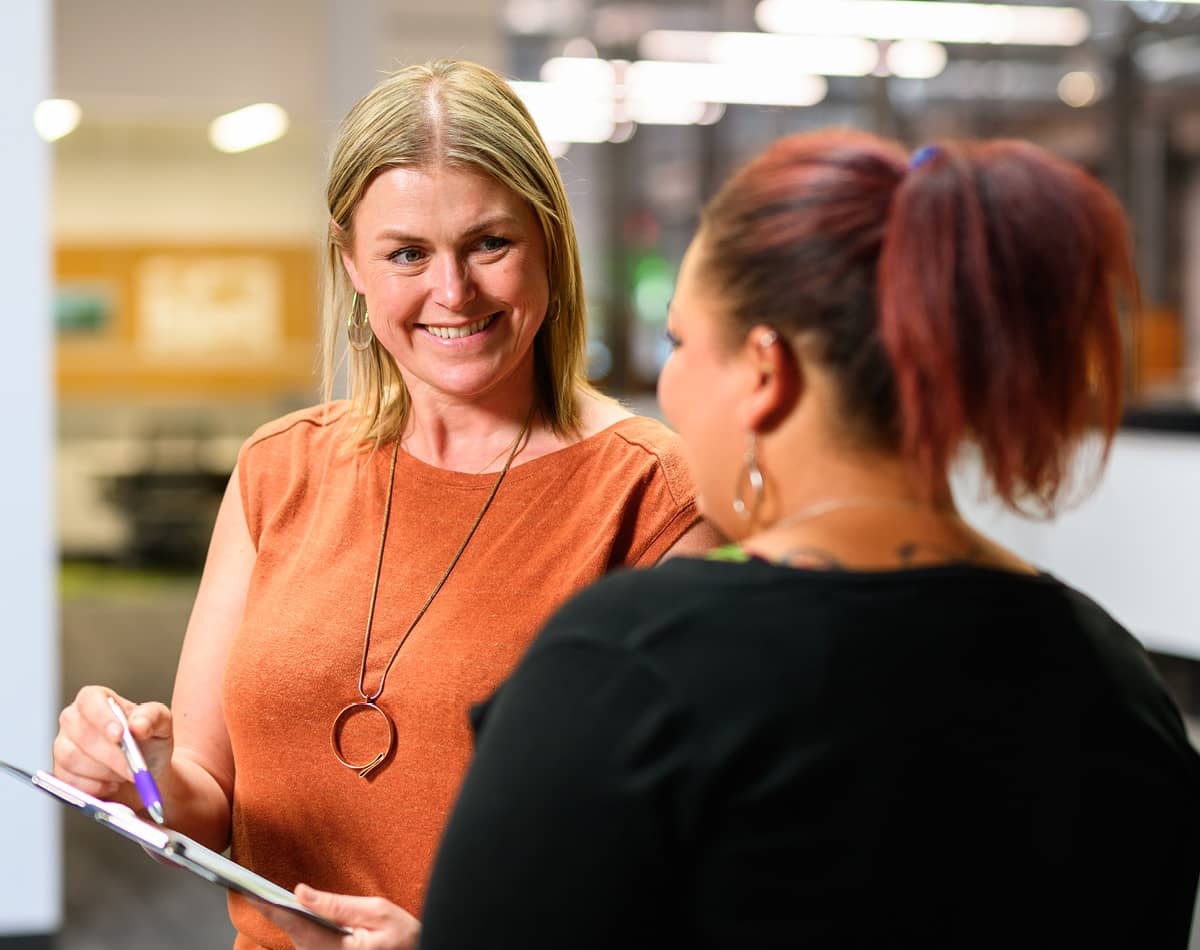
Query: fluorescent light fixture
column 915, row 59
column 649, row 80
column 1079, row 89
column 943, row 22
column 566, row 112
column 587, row 99
column 586, row 90
column 826, row 56
column 665, row 109
column 593, row 76
column 248, row 128
column 54, row 118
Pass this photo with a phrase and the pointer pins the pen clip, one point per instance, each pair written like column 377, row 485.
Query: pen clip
column 133, row 755
column 147, row 789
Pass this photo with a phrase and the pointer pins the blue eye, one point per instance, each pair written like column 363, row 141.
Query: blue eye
column 672, row 340
column 493, row 243
column 407, row 255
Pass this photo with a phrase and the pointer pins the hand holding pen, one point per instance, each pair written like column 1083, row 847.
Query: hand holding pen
column 147, row 789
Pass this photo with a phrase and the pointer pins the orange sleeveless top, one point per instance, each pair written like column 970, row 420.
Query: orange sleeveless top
column 314, row 508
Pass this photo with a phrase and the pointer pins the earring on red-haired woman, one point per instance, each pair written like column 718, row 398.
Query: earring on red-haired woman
column 750, row 475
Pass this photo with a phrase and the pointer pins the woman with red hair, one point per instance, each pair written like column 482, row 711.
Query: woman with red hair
column 864, row 724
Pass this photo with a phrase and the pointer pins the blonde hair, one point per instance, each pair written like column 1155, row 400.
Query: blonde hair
column 457, row 114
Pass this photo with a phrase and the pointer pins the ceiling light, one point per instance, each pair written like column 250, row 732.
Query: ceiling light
column 721, row 82
column 54, row 118
column 566, row 112
column 945, row 22
column 915, row 59
column 592, row 76
column 826, row 56
column 665, row 110
column 1079, row 89
column 248, row 128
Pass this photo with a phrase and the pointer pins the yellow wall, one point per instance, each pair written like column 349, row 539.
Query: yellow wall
column 172, row 328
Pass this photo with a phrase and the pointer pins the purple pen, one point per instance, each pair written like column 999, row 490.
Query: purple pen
column 146, row 788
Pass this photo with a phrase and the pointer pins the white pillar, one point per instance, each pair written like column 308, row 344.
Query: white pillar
column 30, row 863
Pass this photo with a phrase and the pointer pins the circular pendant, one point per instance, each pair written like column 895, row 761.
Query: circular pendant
column 335, row 737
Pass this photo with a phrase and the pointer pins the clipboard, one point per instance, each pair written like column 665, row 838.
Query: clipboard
column 174, row 847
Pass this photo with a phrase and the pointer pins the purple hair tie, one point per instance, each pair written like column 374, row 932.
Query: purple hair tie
column 922, row 155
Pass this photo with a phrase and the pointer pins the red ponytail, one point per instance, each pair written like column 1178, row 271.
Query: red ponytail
column 972, row 297
column 998, row 286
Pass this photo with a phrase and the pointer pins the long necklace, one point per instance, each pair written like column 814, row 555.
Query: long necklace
column 367, row 703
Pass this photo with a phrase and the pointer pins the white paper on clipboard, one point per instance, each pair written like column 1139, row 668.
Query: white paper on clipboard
column 172, row 846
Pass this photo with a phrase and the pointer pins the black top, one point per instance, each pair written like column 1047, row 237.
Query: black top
column 720, row 755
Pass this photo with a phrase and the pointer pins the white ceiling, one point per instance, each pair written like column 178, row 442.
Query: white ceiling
column 180, row 62
column 151, row 74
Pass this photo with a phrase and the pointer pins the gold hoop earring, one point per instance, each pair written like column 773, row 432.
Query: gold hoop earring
column 358, row 329
column 752, row 475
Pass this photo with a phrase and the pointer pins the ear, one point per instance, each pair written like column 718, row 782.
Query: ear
column 775, row 379
column 347, row 260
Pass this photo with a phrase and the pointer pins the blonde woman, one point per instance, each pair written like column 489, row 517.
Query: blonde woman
column 379, row 564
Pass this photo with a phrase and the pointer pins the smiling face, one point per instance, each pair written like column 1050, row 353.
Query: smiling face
column 452, row 265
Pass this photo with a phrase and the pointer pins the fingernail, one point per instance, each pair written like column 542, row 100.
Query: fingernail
column 113, row 730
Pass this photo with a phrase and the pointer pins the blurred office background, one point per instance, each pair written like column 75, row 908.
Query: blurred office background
column 182, row 290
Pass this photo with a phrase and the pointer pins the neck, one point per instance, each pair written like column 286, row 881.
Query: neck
column 826, row 506
column 832, row 484
column 466, row 435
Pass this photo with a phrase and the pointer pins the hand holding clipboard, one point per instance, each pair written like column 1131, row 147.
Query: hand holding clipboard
column 171, row 846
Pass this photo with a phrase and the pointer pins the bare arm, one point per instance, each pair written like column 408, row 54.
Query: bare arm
column 201, row 780
column 696, row 541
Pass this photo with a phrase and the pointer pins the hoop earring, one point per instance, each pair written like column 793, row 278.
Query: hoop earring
column 358, row 330
column 750, row 474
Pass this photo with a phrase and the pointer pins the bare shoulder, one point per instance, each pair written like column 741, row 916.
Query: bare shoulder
column 598, row 412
